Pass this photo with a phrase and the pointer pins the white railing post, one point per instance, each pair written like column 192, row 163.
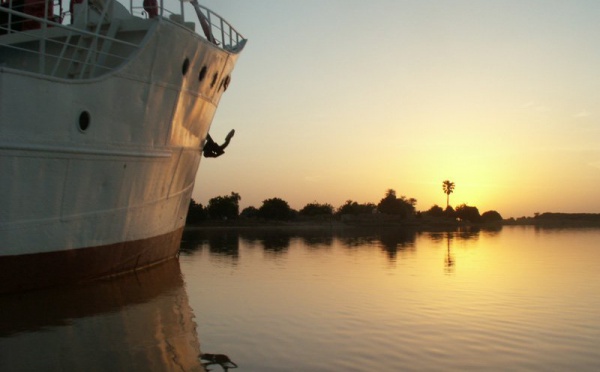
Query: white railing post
column 9, row 26
column 42, row 60
column 222, row 32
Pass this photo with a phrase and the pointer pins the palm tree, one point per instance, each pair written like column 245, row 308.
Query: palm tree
column 448, row 188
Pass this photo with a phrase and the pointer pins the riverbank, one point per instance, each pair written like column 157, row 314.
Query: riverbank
column 551, row 219
column 347, row 222
column 385, row 221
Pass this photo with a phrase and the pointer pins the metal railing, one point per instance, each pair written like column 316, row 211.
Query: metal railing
column 17, row 15
column 35, row 38
column 222, row 32
column 30, row 28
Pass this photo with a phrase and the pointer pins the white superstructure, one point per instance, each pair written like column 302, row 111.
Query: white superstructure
column 101, row 127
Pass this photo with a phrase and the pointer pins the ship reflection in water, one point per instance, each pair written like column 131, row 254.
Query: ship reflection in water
column 507, row 299
column 141, row 321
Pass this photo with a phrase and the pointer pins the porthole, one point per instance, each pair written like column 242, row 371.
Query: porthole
column 214, row 80
column 84, row 121
column 185, row 67
column 202, row 73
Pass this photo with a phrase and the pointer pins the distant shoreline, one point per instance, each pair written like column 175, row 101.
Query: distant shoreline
column 383, row 221
column 553, row 219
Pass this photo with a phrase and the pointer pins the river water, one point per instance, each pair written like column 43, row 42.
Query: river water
column 516, row 298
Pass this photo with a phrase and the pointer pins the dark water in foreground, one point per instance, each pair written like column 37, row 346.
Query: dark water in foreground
column 515, row 299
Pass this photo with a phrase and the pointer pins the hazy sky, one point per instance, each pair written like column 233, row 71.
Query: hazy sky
column 335, row 100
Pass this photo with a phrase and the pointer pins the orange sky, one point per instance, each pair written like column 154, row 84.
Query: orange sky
column 343, row 100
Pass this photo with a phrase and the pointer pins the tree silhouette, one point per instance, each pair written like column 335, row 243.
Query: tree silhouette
column 316, row 209
column 402, row 206
column 196, row 213
column 275, row 209
column 249, row 212
column 467, row 213
column 448, row 188
column 354, row 208
column 224, row 207
column 435, row 211
column 449, row 212
column 491, row 216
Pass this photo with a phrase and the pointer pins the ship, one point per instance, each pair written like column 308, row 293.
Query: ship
column 141, row 321
column 105, row 108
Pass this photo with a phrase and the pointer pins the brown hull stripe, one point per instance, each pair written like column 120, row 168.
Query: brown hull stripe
column 31, row 271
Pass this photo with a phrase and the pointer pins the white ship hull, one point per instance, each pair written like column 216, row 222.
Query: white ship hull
column 98, row 160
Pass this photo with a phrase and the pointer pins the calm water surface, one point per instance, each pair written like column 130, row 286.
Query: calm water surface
column 514, row 299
